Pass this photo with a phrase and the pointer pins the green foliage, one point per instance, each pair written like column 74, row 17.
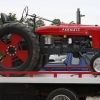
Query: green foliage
column 56, row 21
column 39, row 23
column 12, row 17
column 29, row 22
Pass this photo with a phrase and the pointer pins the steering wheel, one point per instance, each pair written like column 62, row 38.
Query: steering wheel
column 24, row 14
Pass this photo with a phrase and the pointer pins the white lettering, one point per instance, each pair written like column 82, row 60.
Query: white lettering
column 71, row 29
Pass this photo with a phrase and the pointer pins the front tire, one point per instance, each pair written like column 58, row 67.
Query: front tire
column 95, row 63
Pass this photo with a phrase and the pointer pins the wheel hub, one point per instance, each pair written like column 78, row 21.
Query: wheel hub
column 12, row 53
column 61, row 97
column 11, row 50
column 96, row 65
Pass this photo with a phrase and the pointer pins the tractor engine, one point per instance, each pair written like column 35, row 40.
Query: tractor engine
column 69, row 41
column 79, row 41
column 63, row 44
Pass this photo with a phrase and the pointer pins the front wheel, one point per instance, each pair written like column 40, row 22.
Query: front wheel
column 95, row 63
column 62, row 94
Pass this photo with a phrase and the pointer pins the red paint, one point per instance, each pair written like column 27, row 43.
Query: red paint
column 53, row 73
column 22, row 54
column 15, row 39
column 84, row 30
column 7, row 61
column 4, row 47
column 7, row 58
column 32, row 73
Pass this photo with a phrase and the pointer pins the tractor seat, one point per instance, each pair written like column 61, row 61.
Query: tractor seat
column 4, row 18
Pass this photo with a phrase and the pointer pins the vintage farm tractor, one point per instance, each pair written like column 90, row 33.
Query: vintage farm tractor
column 27, row 48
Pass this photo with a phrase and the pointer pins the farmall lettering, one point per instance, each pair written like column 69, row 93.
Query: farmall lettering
column 71, row 29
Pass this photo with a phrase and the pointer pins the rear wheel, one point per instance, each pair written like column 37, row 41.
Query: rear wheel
column 43, row 59
column 18, row 48
column 62, row 94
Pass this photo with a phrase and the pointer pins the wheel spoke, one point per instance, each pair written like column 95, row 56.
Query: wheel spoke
column 7, row 61
column 97, row 66
column 3, row 47
column 22, row 54
column 15, row 39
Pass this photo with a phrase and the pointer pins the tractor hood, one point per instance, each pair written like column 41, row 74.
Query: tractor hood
column 67, row 29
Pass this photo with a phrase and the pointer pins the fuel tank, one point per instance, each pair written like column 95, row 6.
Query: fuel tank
column 67, row 29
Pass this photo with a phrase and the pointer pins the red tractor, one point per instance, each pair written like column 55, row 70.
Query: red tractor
column 25, row 48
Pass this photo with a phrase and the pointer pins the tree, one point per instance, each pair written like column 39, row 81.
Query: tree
column 56, row 21
column 39, row 23
column 12, row 17
column 29, row 22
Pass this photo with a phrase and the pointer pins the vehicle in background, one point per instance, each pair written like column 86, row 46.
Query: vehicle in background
column 56, row 58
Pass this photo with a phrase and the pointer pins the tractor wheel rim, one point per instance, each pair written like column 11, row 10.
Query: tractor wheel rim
column 96, row 64
column 12, row 55
column 61, row 97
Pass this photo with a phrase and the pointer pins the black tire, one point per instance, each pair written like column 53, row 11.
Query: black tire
column 45, row 59
column 42, row 61
column 92, row 63
column 64, row 92
column 38, row 66
column 32, row 43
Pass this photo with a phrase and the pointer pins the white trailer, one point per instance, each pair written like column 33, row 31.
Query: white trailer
column 50, row 85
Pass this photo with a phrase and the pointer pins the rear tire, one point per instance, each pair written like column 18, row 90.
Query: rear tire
column 38, row 66
column 28, row 55
column 45, row 59
column 42, row 61
column 64, row 94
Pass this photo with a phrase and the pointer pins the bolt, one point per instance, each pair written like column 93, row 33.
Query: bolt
column 10, row 54
column 6, row 50
column 86, row 32
column 13, row 46
column 15, row 49
column 10, row 45
column 7, row 47
column 15, row 52
column 7, row 53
